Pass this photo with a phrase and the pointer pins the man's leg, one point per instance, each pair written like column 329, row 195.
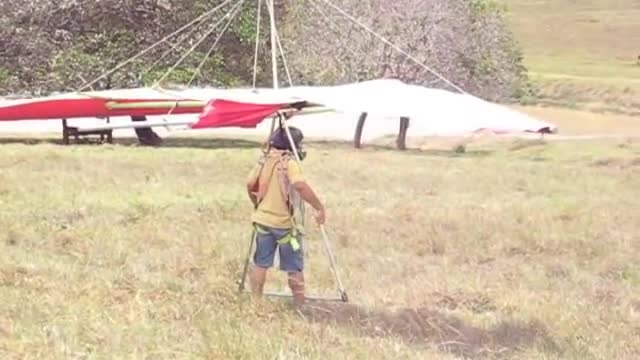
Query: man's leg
column 296, row 283
column 258, row 277
column 292, row 261
column 262, row 259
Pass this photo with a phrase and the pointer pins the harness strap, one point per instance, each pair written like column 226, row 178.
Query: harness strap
column 263, row 186
column 288, row 238
column 281, row 166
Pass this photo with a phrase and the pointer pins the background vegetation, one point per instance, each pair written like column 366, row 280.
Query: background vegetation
column 581, row 54
column 58, row 45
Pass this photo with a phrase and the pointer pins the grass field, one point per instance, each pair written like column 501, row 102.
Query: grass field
column 515, row 249
column 582, row 54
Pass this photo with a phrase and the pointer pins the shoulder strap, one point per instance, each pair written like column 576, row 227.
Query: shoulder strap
column 260, row 187
column 283, row 176
column 281, row 165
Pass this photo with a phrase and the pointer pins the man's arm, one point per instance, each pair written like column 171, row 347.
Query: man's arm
column 251, row 183
column 305, row 191
column 310, row 197
column 252, row 195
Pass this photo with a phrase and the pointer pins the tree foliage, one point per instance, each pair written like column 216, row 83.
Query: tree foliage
column 58, row 45
column 465, row 41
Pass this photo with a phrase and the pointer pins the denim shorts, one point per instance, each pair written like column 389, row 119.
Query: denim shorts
column 266, row 243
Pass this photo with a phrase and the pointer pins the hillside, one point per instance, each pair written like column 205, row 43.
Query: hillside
column 582, row 53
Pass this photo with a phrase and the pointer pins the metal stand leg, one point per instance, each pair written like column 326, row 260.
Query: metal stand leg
column 332, row 262
column 246, row 263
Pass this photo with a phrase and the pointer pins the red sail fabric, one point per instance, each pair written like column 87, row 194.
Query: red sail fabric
column 80, row 108
column 225, row 113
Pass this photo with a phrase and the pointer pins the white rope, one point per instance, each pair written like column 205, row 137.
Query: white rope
column 276, row 37
column 335, row 27
column 274, row 55
column 173, row 47
column 236, row 11
column 284, row 60
column 202, row 39
column 397, row 48
column 255, row 57
column 163, row 40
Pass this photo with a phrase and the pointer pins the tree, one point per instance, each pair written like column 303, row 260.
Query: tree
column 59, row 45
column 466, row 41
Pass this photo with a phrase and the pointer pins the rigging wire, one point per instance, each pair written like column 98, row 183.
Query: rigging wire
column 158, row 43
column 234, row 12
column 201, row 65
column 279, row 45
column 395, row 47
column 284, row 60
column 172, row 48
column 255, row 57
column 202, row 39
column 335, row 27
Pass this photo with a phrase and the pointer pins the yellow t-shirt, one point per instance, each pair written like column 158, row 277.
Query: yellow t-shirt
column 273, row 211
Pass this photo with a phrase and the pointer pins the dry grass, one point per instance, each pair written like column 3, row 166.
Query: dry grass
column 505, row 251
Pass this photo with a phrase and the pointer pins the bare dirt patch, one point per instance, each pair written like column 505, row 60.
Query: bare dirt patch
column 424, row 326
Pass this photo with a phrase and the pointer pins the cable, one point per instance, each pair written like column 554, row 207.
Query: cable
column 255, row 58
column 333, row 25
column 397, row 48
column 284, row 60
column 173, row 47
column 166, row 38
column 235, row 11
column 206, row 35
column 199, row 68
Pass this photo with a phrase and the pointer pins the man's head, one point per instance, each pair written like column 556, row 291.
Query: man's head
column 279, row 140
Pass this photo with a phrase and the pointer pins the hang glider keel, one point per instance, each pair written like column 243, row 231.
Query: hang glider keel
column 87, row 107
column 138, row 125
column 188, row 124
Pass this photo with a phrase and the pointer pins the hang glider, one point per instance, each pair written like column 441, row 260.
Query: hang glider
column 431, row 111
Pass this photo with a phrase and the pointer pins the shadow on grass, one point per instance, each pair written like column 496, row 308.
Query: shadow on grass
column 428, row 327
column 237, row 143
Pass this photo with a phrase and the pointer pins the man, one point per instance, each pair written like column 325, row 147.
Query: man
column 275, row 187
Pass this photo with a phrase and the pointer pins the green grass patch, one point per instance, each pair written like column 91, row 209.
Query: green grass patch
column 581, row 54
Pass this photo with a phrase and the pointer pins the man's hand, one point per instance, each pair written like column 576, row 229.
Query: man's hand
column 320, row 216
column 310, row 197
column 252, row 195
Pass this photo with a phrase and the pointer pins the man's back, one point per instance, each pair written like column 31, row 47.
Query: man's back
column 273, row 210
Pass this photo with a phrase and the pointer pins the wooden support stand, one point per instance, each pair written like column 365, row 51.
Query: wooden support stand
column 357, row 139
column 401, row 142
column 71, row 131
